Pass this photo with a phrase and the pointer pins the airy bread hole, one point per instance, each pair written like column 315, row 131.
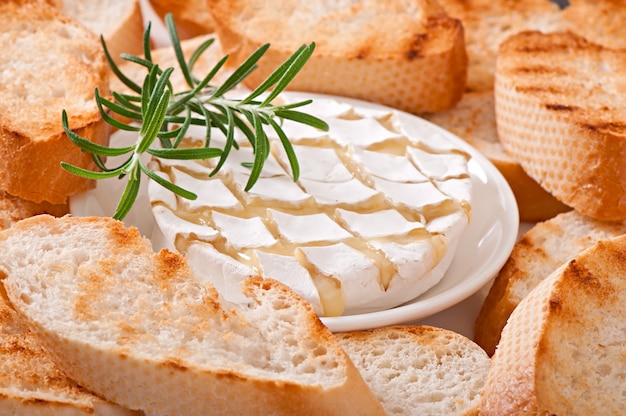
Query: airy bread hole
column 27, row 300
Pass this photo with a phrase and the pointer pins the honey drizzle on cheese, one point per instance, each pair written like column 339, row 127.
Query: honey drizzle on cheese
column 332, row 297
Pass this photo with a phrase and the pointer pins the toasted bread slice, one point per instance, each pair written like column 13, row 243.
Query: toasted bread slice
column 406, row 54
column 562, row 350
column 488, row 23
column 537, row 254
column 599, row 21
column 141, row 330
column 50, row 63
column 419, row 370
column 31, row 384
column 120, row 22
column 192, row 16
column 474, row 120
column 559, row 112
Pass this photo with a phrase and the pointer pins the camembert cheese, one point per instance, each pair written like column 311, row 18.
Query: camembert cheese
column 372, row 222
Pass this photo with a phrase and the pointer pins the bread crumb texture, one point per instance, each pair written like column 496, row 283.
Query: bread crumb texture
column 141, row 330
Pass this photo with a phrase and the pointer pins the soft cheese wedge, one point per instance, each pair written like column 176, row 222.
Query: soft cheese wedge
column 372, row 222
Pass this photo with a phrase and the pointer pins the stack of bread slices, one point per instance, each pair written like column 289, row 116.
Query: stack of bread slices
column 93, row 322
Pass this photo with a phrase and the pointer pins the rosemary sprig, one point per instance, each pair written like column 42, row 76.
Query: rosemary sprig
column 153, row 107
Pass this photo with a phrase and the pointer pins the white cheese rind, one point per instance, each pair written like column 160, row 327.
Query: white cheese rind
column 372, row 222
column 305, row 229
column 377, row 224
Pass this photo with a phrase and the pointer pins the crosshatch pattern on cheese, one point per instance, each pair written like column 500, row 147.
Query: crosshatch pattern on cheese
column 372, row 222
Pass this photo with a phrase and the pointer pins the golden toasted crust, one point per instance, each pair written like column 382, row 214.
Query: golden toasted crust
column 385, row 43
column 558, row 111
column 474, row 120
column 561, row 351
column 537, row 254
column 53, row 63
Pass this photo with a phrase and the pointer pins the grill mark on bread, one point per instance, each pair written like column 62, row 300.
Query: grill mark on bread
column 561, row 107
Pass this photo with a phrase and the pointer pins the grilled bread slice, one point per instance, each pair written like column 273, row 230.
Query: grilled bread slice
column 50, row 63
column 537, row 254
column 559, row 112
column 419, row 370
column 406, row 54
column 488, row 23
column 31, row 384
column 141, row 330
column 562, row 350
column 474, row 120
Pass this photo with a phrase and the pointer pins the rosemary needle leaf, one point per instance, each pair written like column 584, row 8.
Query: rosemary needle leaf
column 303, row 118
column 126, row 101
column 242, row 71
column 261, row 152
column 230, row 140
column 167, row 184
column 196, row 153
column 89, row 146
column 128, row 197
column 153, row 125
column 85, row 173
column 136, row 59
column 291, row 155
column 110, row 120
column 119, row 109
column 178, row 50
column 199, row 51
column 116, row 70
column 295, row 64
column 147, row 47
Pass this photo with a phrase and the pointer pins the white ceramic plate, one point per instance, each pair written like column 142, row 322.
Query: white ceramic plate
column 482, row 251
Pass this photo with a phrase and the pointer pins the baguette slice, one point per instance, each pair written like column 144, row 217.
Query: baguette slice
column 405, row 54
column 141, row 330
column 50, row 63
column 559, row 112
column 562, row 350
column 419, row 370
column 537, row 254
column 30, row 383
column 474, row 120
column 120, row 22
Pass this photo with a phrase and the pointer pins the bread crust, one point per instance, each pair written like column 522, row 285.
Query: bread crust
column 537, row 254
column 32, row 140
column 385, row 44
column 249, row 376
column 568, row 135
column 561, row 350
